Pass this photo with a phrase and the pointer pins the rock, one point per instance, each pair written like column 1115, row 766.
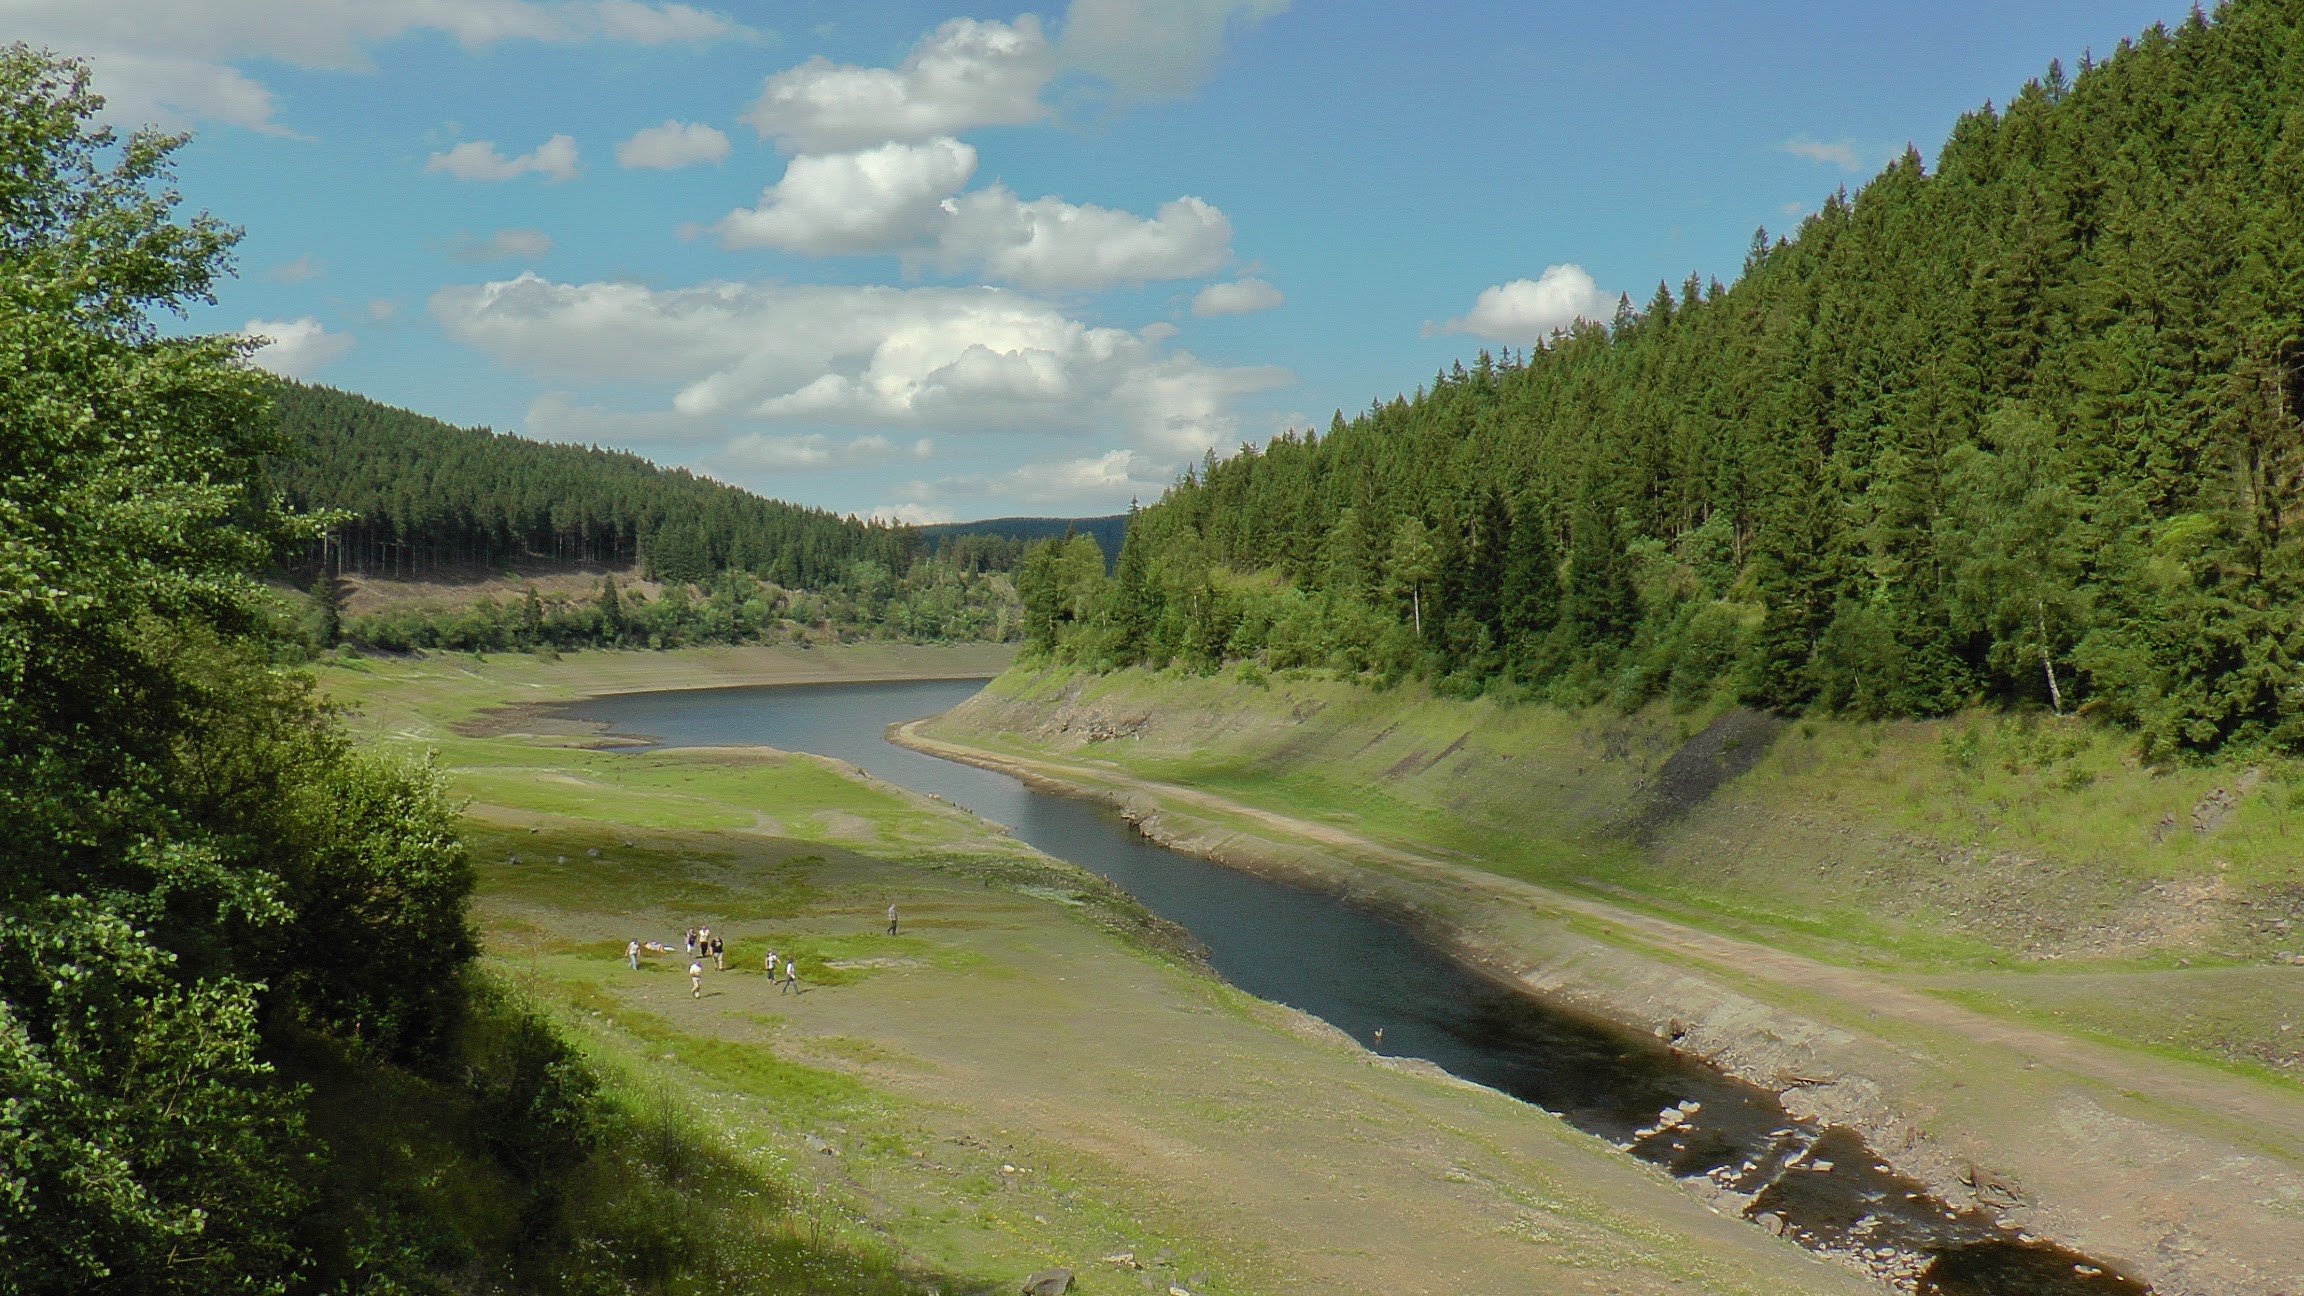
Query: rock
column 1048, row 1282
column 1124, row 1260
column 1990, row 1189
column 816, row 1144
column 1770, row 1222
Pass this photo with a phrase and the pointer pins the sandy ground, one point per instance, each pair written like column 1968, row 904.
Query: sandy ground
column 2189, row 1176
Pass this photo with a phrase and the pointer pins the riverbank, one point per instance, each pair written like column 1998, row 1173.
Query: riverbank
column 1534, row 841
column 1032, row 1073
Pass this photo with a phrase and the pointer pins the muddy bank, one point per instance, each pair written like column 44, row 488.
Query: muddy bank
column 2181, row 1203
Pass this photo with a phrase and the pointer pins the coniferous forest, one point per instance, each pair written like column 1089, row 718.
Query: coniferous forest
column 2023, row 427
column 410, row 498
column 425, row 496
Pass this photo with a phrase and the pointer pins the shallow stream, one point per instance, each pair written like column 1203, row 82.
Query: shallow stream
column 1361, row 973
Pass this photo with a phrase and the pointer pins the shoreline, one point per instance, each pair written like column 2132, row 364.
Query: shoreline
column 1617, row 970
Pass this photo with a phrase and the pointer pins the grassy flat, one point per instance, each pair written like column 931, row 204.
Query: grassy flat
column 1031, row 1074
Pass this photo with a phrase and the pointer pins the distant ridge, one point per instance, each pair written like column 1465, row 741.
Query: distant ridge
column 1108, row 531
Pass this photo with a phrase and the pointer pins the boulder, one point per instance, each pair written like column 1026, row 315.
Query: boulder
column 1048, row 1282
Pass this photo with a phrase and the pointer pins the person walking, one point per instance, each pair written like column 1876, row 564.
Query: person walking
column 632, row 954
column 719, row 955
column 791, row 977
column 695, row 980
column 688, row 941
column 770, row 963
column 891, row 920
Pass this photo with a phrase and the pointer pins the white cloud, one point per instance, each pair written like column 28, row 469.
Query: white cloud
column 957, row 359
column 854, row 202
column 671, row 146
column 896, row 198
column 1245, row 297
column 963, row 75
column 382, row 310
column 172, row 62
column 1154, row 49
column 666, row 24
column 1051, row 244
column 1098, row 483
column 757, row 451
column 1843, row 154
column 560, row 416
column 554, row 159
column 503, row 245
column 1529, row 310
column 294, row 348
column 303, row 269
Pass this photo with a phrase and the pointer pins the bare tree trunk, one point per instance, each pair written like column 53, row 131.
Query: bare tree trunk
column 1416, row 607
column 2047, row 663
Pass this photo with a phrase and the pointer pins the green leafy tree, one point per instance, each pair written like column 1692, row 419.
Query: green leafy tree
column 185, row 826
column 1413, row 562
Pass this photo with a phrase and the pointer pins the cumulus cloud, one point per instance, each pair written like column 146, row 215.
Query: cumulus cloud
column 899, row 198
column 960, row 359
column 963, row 75
column 172, row 62
column 1839, row 153
column 1052, row 244
column 671, row 146
column 294, row 348
column 1529, row 310
column 853, row 202
column 503, row 245
column 1154, row 49
column 554, row 159
column 1245, row 297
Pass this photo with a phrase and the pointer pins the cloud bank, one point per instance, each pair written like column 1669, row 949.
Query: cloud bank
column 930, row 359
column 170, row 61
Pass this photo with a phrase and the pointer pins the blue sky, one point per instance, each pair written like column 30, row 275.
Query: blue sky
column 941, row 263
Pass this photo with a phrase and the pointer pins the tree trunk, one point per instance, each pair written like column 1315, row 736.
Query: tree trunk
column 2048, row 663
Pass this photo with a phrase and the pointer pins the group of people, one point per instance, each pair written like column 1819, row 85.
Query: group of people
column 701, row 944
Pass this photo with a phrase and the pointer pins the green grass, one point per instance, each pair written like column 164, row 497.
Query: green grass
column 1973, row 845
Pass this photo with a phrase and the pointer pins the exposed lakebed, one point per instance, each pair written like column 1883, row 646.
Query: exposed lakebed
column 1362, row 972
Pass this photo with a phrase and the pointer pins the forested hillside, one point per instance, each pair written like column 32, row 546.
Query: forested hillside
column 427, row 496
column 2023, row 426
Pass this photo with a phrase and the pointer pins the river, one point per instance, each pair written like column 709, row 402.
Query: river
column 1361, row 972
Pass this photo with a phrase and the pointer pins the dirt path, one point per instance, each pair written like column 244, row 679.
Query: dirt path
column 2188, row 1176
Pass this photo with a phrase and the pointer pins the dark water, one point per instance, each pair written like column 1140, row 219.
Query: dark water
column 1361, row 972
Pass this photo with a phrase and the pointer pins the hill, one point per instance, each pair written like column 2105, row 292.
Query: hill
column 2023, row 428
column 1000, row 543
column 428, row 497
